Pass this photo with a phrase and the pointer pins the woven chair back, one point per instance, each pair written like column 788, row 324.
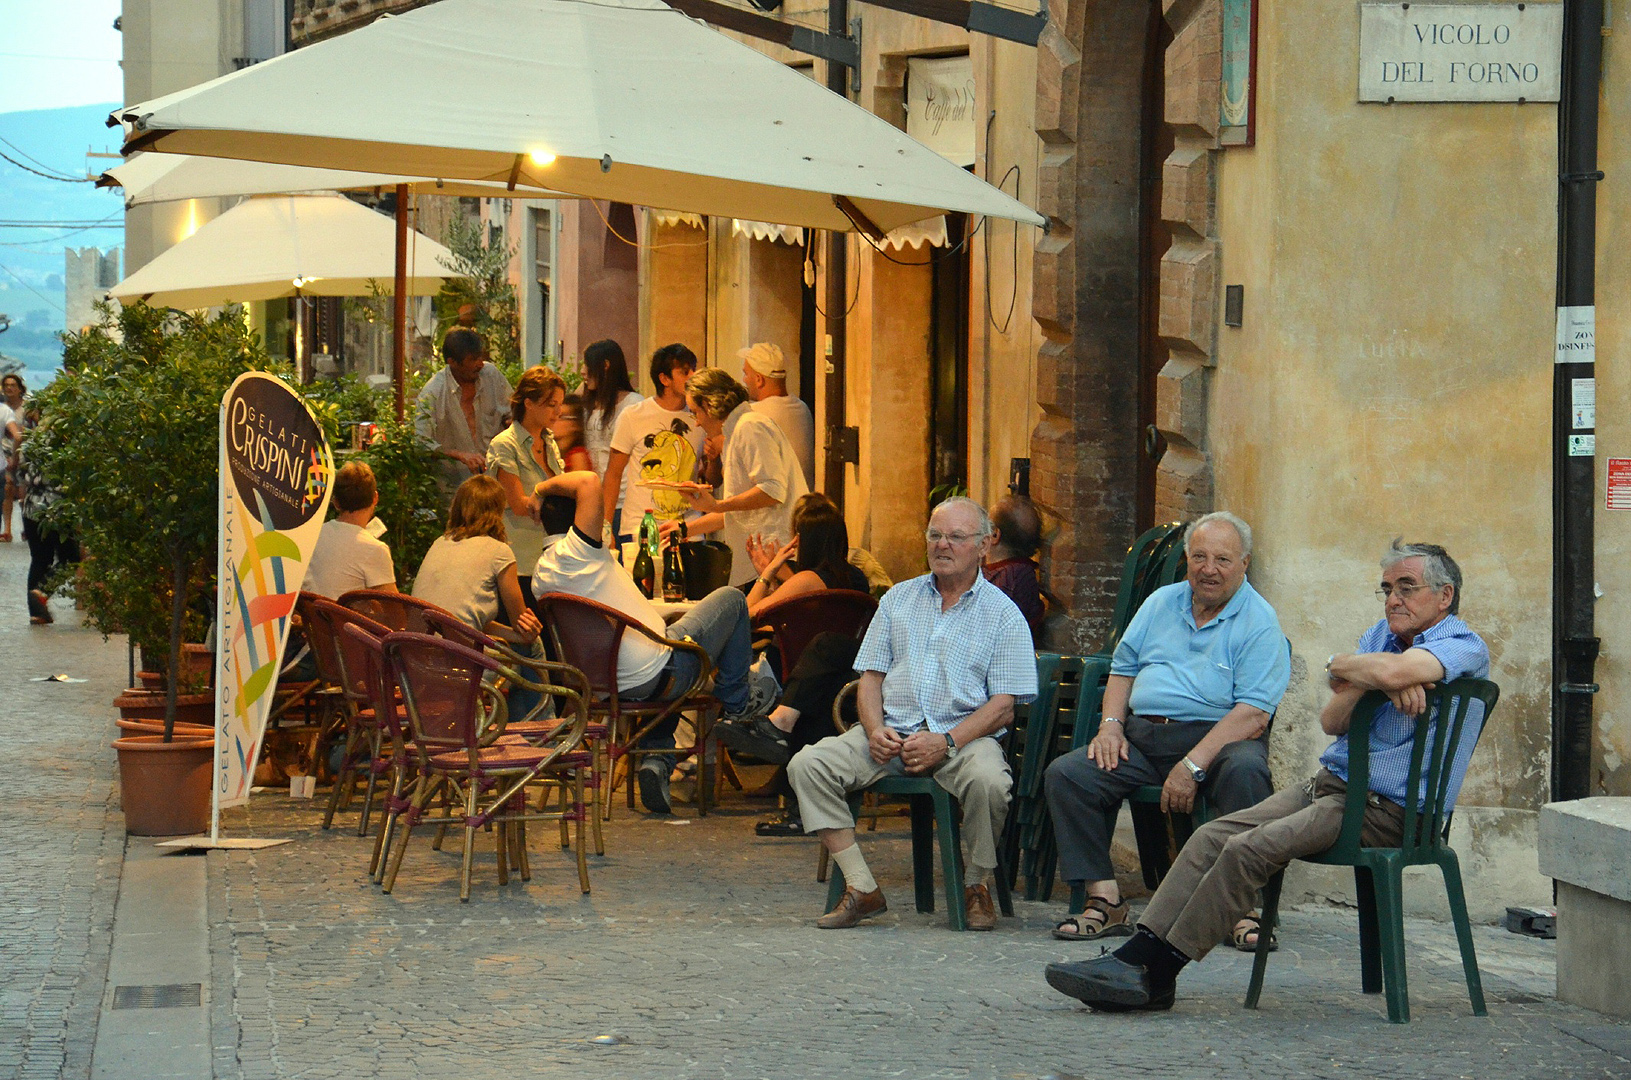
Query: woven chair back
column 587, row 635
column 441, row 689
column 797, row 621
column 399, row 611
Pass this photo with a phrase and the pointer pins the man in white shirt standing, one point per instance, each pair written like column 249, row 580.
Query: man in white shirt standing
column 762, row 479
column 347, row 556
column 461, row 408
column 764, row 373
column 659, row 435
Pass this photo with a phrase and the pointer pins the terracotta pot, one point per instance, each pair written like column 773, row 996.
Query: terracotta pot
column 195, row 709
column 156, row 727
column 164, row 787
column 197, row 669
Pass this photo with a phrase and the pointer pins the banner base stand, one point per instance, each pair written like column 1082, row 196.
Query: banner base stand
column 225, row 843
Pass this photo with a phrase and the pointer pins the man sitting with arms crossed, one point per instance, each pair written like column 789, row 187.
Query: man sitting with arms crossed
column 943, row 664
column 1419, row 644
column 1201, row 668
column 575, row 561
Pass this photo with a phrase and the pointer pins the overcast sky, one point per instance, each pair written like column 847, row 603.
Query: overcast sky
column 58, row 52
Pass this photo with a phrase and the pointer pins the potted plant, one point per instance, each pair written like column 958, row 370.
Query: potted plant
column 130, row 437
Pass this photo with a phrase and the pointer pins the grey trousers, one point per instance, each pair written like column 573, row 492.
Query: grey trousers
column 823, row 775
column 1218, row 874
column 1084, row 799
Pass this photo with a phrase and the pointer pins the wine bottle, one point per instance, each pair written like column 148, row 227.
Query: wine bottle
column 673, row 572
column 645, row 571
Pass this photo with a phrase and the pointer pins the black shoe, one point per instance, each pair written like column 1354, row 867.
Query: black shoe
column 780, row 825
column 654, row 790
column 756, row 737
column 1110, row 984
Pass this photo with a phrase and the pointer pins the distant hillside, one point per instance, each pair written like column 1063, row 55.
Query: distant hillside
column 31, row 263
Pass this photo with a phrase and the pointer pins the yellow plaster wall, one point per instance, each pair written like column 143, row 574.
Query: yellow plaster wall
column 1393, row 375
column 1611, row 773
column 673, row 294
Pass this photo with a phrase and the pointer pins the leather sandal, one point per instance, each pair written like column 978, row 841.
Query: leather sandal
column 1249, row 927
column 1113, row 920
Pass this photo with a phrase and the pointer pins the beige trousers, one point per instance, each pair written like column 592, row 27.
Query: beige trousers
column 823, row 775
column 1220, row 870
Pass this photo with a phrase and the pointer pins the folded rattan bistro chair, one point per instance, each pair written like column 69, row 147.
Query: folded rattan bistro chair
column 329, row 697
column 588, row 635
column 441, row 684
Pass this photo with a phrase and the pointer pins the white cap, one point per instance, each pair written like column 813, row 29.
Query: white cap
column 766, row 359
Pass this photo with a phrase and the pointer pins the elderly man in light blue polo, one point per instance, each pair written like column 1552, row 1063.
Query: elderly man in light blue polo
column 1192, row 688
column 945, row 661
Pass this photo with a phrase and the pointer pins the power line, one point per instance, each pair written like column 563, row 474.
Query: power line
column 31, row 157
column 32, row 289
column 48, row 176
column 75, row 223
column 59, row 236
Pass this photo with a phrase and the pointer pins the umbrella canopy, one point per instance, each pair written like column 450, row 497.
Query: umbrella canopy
column 262, row 249
column 627, row 100
column 156, row 178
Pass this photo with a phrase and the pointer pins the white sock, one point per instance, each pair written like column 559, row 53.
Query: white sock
column 856, row 874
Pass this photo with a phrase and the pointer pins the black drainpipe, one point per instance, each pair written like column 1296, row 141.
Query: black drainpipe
column 1574, row 477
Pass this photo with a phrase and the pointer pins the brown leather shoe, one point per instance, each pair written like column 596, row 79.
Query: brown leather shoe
column 978, row 909
column 852, row 907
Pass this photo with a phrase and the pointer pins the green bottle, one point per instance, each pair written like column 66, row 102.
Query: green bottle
column 645, row 563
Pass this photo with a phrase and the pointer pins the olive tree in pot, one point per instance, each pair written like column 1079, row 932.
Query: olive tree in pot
column 130, row 436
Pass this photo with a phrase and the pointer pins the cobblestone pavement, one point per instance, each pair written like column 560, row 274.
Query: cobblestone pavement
column 696, row 953
column 62, row 834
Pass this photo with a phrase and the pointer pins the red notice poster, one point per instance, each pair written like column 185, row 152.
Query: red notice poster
column 1619, row 484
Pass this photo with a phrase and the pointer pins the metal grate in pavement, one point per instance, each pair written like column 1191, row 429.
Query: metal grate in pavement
column 167, row 996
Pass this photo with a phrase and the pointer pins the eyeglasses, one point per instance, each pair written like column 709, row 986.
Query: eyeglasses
column 1405, row 591
column 934, row 536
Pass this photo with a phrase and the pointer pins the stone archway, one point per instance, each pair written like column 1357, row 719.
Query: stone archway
column 1086, row 288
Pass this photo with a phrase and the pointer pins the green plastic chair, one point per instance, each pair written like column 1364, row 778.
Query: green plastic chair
column 1147, row 567
column 1378, row 872
column 932, row 810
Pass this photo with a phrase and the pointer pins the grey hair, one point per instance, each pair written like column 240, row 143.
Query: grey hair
column 1437, row 568
column 968, row 504
column 1242, row 530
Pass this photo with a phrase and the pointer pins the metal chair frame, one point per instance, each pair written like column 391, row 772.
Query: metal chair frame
column 473, row 762
column 628, row 722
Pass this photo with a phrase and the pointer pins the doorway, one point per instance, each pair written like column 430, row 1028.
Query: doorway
column 948, row 363
column 1154, row 238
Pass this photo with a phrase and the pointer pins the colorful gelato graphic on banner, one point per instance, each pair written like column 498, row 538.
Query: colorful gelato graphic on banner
column 276, row 470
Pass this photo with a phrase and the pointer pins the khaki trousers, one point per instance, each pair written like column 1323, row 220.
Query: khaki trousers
column 1220, row 870
column 823, row 775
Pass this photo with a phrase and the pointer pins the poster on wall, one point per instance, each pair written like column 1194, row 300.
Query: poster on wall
column 1237, row 108
column 276, row 469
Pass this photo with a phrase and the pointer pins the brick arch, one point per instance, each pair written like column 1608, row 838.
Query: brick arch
column 1086, row 289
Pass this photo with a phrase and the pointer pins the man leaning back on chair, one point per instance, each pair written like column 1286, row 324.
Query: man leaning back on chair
column 1419, row 643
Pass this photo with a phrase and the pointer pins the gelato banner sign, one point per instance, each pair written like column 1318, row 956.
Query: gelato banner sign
column 276, row 469
column 1460, row 52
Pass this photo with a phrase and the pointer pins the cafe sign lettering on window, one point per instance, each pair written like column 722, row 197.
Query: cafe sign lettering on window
column 1460, row 52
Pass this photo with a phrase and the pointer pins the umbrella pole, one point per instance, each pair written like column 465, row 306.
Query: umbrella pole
column 399, row 333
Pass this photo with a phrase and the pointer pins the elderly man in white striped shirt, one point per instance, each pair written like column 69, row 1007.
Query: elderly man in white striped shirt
column 945, row 661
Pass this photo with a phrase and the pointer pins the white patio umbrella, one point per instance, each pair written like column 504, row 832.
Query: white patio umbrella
column 156, row 178
column 626, row 100
column 271, row 247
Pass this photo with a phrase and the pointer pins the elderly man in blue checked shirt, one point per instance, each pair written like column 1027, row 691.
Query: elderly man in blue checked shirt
column 1420, row 643
column 943, row 664
column 1192, row 687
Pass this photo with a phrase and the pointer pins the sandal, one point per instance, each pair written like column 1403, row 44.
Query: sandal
column 1248, row 927
column 1112, row 921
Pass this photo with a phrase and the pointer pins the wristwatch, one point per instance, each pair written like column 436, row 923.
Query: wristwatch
column 1110, row 720
column 951, row 746
column 1196, row 773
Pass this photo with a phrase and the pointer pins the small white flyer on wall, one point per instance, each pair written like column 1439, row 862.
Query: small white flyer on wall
column 1577, row 335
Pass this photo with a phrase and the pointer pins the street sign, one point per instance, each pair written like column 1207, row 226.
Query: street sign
column 1460, row 52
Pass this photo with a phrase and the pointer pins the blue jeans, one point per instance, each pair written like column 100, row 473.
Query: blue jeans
column 719, row 623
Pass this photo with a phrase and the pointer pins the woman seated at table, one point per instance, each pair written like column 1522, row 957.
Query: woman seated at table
column 470, row 572
column 816, row 558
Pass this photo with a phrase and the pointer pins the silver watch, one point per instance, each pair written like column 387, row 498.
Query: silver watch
column 1196, row 773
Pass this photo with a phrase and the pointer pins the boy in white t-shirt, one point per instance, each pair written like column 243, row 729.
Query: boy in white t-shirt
column 347, row 556
column 575, row 561
column 656, row 439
